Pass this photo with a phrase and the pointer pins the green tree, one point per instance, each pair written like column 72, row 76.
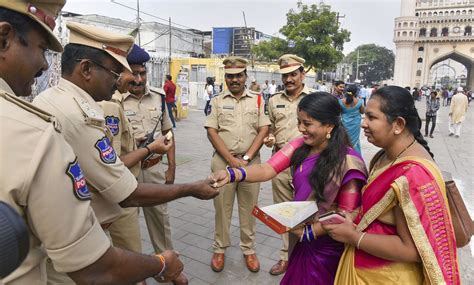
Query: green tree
column 375, row 62
column 311, row 32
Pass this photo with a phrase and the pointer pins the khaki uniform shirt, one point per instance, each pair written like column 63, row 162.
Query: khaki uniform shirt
column 84, row 128
column 282, row 111
column 144, row 113
column 42, row 180
column 237, row 120
column 120, row 127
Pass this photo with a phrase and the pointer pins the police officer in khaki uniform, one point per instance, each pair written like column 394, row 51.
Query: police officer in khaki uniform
column 91, row 65
column 236, row 128
column 125, row 231
column 146, row 110
column 282, row 110
column 40, row 176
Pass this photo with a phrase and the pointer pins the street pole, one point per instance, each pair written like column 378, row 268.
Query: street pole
column 357, row 66
column 169, row 60
column 138, row 22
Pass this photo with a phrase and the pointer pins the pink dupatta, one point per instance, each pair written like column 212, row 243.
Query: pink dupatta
column 419, row 190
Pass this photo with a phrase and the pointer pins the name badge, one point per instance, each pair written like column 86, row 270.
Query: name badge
column 228, row 107
column 280, row 106
column 130, row 113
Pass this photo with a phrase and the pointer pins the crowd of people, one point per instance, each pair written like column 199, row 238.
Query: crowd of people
column 89, row 153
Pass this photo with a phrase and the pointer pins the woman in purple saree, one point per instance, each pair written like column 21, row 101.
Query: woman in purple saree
column 326, row 170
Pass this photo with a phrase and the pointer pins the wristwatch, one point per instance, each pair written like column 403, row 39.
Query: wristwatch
column 246, row 158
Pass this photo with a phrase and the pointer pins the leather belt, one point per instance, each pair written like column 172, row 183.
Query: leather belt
column 147, row 163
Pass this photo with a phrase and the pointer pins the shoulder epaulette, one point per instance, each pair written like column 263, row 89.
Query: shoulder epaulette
column 32, row 109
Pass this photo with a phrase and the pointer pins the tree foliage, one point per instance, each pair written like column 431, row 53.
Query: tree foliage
column 315, row 33
column 376, row 63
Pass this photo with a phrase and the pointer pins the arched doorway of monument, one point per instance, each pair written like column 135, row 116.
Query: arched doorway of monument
column 452, row 70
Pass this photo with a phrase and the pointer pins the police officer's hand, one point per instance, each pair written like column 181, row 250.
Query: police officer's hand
column 170, row 174
column 235, row 162
column 160, row 145
column 174, row 266
column 204, row 189
column 269, row 140
column 220, row 177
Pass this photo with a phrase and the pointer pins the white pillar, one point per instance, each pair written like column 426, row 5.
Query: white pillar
column 408, row 8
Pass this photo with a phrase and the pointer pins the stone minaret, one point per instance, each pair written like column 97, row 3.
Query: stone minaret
column 405, row 35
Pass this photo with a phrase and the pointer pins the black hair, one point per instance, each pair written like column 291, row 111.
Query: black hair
column 396, row 102
column 338, row 82
column 301, row 69
column 21, row 23
column 324, row 108
column 73, row 52
column 351, row 92
column 168, row 77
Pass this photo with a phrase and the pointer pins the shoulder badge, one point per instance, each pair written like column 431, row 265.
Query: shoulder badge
column 80, row 189
column 87, row 110
column 106, row 151
column 113, row 123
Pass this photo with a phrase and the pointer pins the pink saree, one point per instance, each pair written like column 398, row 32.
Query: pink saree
column 417, row 187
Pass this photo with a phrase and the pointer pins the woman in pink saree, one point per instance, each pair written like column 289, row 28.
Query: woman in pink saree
column 403, row 233
column 326, row 170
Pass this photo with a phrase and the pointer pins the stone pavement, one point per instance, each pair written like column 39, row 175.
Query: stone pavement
column 192, row 220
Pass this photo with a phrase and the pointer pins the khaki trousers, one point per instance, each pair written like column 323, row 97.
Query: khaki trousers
column 247, row 197
column 283, row 191
column 125, row 231
column 156, row 217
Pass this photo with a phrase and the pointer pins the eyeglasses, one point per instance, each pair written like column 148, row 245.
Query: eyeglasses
column 114, row 74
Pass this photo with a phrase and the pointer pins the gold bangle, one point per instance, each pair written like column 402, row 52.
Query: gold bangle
column 360, row 239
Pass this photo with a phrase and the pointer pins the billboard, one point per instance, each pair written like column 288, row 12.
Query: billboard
column 222, row 40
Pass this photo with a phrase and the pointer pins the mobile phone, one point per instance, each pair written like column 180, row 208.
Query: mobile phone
column 332, row 217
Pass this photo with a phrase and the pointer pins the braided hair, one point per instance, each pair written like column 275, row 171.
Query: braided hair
column 397, row 102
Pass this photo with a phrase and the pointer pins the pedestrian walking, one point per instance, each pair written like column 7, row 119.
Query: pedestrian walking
column 352, row 110
column 208, row 92
column 170, row 97
column 457, row 112
column 432, row 107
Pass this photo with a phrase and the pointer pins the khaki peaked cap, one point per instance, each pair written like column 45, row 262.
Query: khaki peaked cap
column 289, row 63
column 117, row 45
column 234, row 64
column 44, row 12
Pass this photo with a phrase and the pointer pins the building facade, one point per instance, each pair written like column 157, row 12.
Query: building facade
column 430, row 32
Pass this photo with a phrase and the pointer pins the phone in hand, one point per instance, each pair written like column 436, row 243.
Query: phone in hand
column 332, row 217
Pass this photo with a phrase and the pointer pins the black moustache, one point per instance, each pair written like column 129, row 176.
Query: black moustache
column 135, row 84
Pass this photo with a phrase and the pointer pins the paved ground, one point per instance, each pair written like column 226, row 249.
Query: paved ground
column 192, row 220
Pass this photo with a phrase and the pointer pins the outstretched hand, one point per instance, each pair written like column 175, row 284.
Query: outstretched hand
column 220, row 178
column 204, row 189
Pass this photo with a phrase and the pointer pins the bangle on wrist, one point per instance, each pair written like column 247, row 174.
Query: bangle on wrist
column 163, row 268
column 360, row 239
column 243, row 174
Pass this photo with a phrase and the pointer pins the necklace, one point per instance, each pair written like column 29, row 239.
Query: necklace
column 376, row 166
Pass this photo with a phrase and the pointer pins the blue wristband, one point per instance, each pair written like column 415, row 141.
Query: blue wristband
column 232, row 174
column 244, row 173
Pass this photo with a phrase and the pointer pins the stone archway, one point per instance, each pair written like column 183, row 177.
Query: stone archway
column 464, row 60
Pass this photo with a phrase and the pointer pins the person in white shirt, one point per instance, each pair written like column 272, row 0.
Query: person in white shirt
column 272, row 88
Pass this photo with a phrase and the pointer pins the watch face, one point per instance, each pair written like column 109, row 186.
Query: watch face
column 246, row 157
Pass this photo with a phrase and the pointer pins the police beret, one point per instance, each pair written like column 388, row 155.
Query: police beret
column 137, row 55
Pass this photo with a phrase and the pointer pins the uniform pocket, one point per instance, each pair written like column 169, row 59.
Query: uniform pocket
column 226, row 118
column 251, row 117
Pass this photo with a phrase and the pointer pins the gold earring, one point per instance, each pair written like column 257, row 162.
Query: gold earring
column 328, row 136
